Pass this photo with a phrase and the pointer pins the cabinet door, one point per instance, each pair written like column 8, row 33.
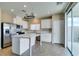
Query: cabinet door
column 46, row 37
column 46, row 23
column 35, row 27
column 56, row 32
column 25, row 24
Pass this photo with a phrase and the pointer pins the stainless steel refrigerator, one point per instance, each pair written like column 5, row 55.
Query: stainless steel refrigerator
column 7, row 30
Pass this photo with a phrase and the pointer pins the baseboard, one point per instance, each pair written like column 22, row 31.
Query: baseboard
column 57, row 43
column 46, row 42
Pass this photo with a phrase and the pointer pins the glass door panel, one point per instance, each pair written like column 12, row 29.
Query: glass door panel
column 75, row 31
column 69, row 30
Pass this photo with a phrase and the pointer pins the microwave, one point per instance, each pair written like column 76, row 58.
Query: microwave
column 18, row 26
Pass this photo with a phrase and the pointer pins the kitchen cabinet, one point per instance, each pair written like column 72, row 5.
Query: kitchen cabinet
column 45, row 36
column 25, row 24
column 18, row 20
column 45, row 32
column 35, row 27
column 20, row 43
column 46, row 23
column 58, row 29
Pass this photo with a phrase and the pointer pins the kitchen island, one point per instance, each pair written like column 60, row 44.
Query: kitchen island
column 21, row 43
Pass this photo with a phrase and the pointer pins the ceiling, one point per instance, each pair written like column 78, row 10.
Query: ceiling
column 75, row 10
column 40, row 9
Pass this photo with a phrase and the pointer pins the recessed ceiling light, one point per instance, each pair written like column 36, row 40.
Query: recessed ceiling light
column 25, row 6
column 12, row 10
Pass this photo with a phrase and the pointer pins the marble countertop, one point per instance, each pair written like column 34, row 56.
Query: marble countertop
column 21, row 36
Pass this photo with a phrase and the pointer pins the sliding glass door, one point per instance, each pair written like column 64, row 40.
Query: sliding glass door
column 69, row 29
column 73, row 30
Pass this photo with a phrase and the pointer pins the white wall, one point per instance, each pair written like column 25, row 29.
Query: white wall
column 6, row 17
column 58, row 29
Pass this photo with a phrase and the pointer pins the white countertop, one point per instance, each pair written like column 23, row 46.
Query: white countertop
column 21, row 36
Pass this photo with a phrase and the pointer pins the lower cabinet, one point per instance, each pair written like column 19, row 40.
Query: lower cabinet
column 46, row 37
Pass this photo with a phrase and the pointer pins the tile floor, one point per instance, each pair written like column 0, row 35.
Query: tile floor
column 47, row 49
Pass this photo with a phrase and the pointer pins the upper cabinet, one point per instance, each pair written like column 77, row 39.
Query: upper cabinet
column 35, row 27
column 46, row 24
column 25, row 24
column 35, row 24
column 18, row 20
